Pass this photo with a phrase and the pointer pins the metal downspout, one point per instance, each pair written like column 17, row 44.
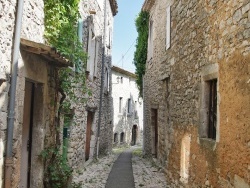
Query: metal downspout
column 11, row 113
column 143, row 110
column 102, row 80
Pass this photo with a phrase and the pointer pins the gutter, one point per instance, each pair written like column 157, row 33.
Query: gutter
column 102, row 80
column 11, row 113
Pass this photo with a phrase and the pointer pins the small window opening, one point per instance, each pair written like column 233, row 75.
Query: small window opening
column 212, row 109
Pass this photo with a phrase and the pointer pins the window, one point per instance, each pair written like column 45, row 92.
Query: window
column 150, row 40
column 97, row 46
column 168, row 27
column 212, row 108
column 78, row 66
column 109, row 37
column 121, row 79
column 91, row 48
column 136, row 113
column 129, row 106
column 166, row 88
column 120, row 105
column 106, row 80
column 209, row 117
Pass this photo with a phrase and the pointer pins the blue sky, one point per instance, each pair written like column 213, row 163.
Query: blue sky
column 125, row 33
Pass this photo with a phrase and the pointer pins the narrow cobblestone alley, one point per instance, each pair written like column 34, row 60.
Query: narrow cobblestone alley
column 146, row 173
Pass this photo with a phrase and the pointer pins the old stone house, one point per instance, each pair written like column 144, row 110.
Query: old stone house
column 128, row 108
column 197, row 119
column 85, row 120
column 31, row 106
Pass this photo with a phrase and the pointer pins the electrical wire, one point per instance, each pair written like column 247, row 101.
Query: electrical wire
column 126, row 52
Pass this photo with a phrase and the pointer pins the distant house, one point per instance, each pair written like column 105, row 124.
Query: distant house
column 128, row 108
column 196, row 91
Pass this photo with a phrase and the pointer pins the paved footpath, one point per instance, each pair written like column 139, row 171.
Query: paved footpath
column 121, row 175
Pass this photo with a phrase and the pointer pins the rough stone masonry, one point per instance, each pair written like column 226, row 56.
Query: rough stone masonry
column 209, row 40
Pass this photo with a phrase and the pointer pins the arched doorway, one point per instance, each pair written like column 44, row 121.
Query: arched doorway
column 122, row 137
column 134, row 135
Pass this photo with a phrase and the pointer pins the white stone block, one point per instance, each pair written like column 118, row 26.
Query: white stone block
column 4, row 101
column 240, row 182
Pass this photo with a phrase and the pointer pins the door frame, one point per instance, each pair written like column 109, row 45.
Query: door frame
column 154, row 131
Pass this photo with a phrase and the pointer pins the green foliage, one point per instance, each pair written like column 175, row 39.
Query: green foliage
column 140, row 55
column 58, row 172
column 61, row 18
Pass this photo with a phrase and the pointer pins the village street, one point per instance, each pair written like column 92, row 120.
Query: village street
column 124, row 94
column 146, row 172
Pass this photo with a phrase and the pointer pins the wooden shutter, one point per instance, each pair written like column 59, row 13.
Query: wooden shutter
column 80, row 38
column 97, row 47
column 168, row 27
column 91, row 51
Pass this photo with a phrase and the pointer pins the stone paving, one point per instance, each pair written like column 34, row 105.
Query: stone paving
column 146, row 173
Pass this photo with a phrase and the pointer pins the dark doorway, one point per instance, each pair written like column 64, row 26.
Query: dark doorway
column 122, row 137
column 115, row 137
column 154, row 125
column 27, row 134
column 134, row 135
column 88, row 134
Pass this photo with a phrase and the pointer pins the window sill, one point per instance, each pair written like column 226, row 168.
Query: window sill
column 208, row 143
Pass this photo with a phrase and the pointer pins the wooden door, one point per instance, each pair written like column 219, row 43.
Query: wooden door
column 88, row 134
column 134, row 135
column 154, row 131
column 27, row 135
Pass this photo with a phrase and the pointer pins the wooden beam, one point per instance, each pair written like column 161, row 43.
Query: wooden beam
column 47, row 52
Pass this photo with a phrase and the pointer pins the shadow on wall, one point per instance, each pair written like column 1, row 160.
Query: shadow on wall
column 4, row 99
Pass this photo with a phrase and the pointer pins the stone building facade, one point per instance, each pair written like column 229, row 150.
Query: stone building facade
column 84, row 125
column 36, row 95
column 128, row 108
column 197, row 119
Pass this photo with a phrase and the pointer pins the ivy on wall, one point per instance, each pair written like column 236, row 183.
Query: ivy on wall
column 140, row 55
column 61, row 19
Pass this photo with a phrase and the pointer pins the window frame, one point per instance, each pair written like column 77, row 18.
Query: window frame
column 150, row 39
column 120, row 104
column 208, row 74
column 129, row 106
column 212, row 108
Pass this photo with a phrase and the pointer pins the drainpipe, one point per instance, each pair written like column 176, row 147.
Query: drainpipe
column 143, row 110
column 11, row 113
column 102, row 80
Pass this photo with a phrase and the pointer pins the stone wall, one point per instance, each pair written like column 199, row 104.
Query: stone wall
column 77, row 141
column 204, row 34
column 43, row 74
column 124, row 121
column 32, row 23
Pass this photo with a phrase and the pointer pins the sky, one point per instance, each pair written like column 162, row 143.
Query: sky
column 125, row 34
